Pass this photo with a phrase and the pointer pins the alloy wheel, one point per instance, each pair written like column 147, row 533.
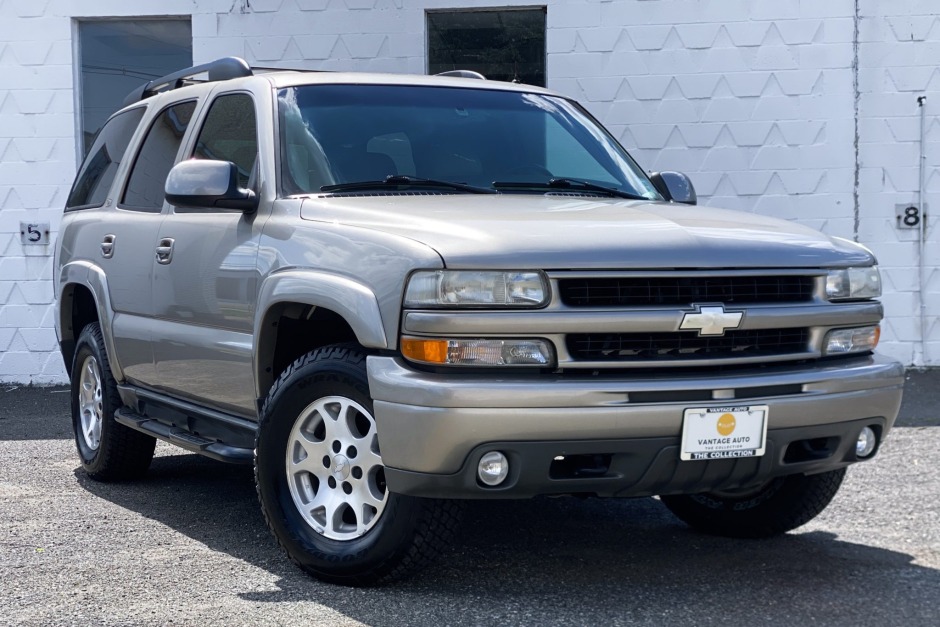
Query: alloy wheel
column 91, row 402
column 334, row 468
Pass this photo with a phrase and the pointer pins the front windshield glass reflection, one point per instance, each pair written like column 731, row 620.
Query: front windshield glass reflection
column 337, row 134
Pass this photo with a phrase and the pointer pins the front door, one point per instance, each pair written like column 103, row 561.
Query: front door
column 205, row 286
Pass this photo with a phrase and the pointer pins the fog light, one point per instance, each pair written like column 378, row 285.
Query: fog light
column 865, row 445
column 493, row 468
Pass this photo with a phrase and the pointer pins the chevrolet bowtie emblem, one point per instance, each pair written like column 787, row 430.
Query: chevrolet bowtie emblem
column 711, row 320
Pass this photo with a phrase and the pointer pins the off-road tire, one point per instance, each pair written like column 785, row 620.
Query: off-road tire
column 122, row 453
column 407, row 534
column 782, row 505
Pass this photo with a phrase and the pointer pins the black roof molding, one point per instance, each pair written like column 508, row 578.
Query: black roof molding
column 264, row 68
column 218, row 70
column 462, row 74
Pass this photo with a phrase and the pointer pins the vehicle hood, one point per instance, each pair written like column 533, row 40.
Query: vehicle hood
column 561, row 232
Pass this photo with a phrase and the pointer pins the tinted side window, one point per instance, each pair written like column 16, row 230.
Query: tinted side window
column 100, row 165
column 145, row 187
column 229, row 134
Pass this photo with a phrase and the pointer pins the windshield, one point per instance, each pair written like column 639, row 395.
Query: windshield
column 334, row 135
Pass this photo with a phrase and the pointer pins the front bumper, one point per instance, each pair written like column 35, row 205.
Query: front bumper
column 434, row 427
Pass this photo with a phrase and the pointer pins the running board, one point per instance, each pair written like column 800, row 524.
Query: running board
column 184, row 439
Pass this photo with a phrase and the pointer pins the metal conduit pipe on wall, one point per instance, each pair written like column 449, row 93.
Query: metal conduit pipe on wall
column 922, row 233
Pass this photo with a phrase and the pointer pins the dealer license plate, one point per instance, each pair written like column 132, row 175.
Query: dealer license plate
column 724, row 432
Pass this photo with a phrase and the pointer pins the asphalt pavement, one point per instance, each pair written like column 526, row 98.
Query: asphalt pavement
column 187, row 546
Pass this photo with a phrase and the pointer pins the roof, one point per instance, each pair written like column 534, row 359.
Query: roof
column 234, row 68
column 292, row 78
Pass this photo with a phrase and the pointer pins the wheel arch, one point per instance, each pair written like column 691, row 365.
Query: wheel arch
column 83, row 298
column 325, row 308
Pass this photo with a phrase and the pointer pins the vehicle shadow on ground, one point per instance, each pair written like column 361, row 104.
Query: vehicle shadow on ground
column 555, row 561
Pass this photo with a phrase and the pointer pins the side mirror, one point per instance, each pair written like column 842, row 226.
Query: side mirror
column 675, row 186
column 210, row 184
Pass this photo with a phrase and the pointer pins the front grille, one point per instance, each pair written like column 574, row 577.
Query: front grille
column 684, row 291
column 685, row 346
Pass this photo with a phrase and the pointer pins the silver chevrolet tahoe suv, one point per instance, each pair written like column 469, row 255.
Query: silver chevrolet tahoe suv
column 395, row 293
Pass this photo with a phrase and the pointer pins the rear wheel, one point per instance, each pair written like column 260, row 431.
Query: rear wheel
column 780, row 505
column 321, row 480
column 109, row 451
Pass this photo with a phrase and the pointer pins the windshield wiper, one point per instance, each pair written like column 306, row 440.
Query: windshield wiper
column 399, row 180
column 568, row 183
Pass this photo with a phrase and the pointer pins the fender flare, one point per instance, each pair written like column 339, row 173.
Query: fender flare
column 93, row 277
column 351, row 300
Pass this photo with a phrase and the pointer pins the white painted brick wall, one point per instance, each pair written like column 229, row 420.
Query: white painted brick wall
column 755, row 100
column 900, row 44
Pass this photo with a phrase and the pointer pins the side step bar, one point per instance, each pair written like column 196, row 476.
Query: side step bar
column 184, row 439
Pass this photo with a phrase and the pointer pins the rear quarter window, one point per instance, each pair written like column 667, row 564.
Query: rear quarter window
column 97, row 172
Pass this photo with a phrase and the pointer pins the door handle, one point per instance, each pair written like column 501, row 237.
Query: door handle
column 107, row 246
column 165, row 251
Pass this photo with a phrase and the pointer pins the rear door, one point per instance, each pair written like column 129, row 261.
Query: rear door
column 130, row 236
column 205, row 289
column 87, row 236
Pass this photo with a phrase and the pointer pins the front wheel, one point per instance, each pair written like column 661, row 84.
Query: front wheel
column 781, row 505
column 321, row 481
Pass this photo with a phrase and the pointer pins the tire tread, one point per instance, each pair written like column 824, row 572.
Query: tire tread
column 798, row 500
column 125, row 453
column 435, row 523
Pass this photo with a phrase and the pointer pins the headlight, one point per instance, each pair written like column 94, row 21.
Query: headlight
column 852, row 283
column 471, row 288
column 858, row 340
column 477, row 352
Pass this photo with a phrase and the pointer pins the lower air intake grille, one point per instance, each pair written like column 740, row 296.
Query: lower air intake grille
column 677, row 347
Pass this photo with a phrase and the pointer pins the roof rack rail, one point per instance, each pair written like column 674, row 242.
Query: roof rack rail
column 218, row 70
column 462, row 74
